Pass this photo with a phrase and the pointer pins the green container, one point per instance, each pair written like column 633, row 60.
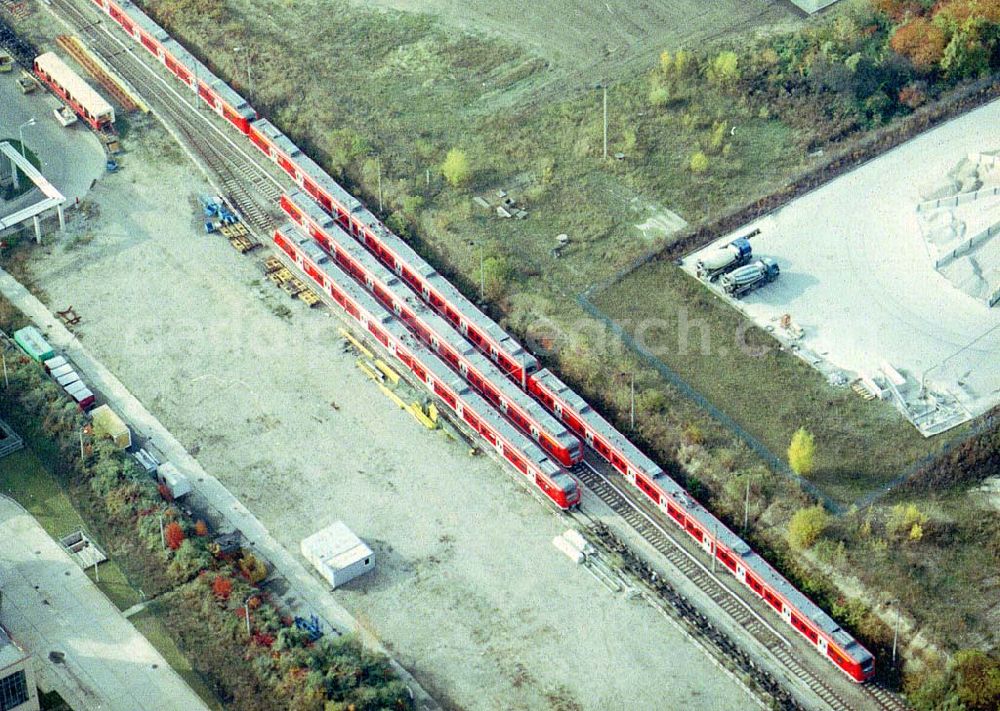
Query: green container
column 33, row 344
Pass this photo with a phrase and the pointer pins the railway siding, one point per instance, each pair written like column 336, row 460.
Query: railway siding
column 219, row 162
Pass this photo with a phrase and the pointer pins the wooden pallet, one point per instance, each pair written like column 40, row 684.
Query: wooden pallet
column 272, row 264
column 290, row 287
column 237, row 229
column 309, row 298
column 244, row 243
column 83, row 56
column 280, row 275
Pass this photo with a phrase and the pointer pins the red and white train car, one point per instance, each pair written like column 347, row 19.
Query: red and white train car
column 711, row 534
column 181, row 63
column 519, row 451
column 435, row 332
column 483, row 333
column 68, row 86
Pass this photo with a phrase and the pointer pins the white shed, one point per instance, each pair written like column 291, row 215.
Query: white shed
column 338, row 554
column 171, row 477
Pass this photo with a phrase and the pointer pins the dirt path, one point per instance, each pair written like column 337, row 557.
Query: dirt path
column 589, row 42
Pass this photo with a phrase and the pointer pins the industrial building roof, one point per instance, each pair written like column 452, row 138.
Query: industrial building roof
column 10, row 652
column 336, row 546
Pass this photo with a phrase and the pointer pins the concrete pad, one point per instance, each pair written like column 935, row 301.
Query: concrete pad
column 71, row 158
column 857, row 275
column 51, row 605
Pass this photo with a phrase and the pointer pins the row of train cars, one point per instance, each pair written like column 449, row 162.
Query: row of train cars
column 469, row 363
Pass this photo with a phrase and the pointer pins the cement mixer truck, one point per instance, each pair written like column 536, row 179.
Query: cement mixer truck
column 724, row 259
column 752, row 276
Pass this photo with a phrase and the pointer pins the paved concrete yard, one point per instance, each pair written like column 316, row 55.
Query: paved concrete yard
column 469, row 593
column 49, row 604
column 857, row 277
column 72, row 157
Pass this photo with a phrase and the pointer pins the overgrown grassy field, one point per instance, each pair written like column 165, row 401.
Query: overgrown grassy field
column 859, row 445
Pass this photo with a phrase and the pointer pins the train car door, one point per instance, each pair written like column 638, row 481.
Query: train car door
column 741, row 573
column 707, row 544
column 822, row 644
column 786, row 613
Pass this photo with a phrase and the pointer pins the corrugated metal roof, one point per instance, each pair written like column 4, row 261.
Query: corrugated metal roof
column 76, row 87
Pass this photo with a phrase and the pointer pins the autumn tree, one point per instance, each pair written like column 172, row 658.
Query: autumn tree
column 698, row 163
column 222, row 587
column 724, row 70
column 201, row 528
column 174, row 535
column 906, row 520
column 802, row 452
column 978, row 684
column 921, row 41
column 807, row 525
column 455, row 168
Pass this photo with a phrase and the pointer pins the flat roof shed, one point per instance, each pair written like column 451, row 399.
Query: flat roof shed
column 337, row 554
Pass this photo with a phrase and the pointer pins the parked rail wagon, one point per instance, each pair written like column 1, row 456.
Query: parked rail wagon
column 710, row 533
column 435, row 332
column 519, row 451
column 486, row 335
column 77, row 93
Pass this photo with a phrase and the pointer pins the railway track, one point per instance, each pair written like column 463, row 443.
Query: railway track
column 666, row 543
column 251, row 191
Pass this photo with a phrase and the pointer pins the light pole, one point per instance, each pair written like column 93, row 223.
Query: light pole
column 604, row 89
column 20, row 133
column 895, row 635
column 482, row 275
column 246, row 54
column 246, row 610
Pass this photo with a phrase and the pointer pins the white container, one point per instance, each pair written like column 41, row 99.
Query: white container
column 568, row 549
column 576, row 539
column 337, row 554
column 176, row 483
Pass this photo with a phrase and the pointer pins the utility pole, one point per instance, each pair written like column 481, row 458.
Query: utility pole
column 605, row 122
column 715, row 544
column 6, row 382
column 82, row 455
column 246, row 54
column 163, row 539
column 482, row 276
column 246, row 611
column 378, row 161
column 632, row 404
column 746, row 509
column 895, row 634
